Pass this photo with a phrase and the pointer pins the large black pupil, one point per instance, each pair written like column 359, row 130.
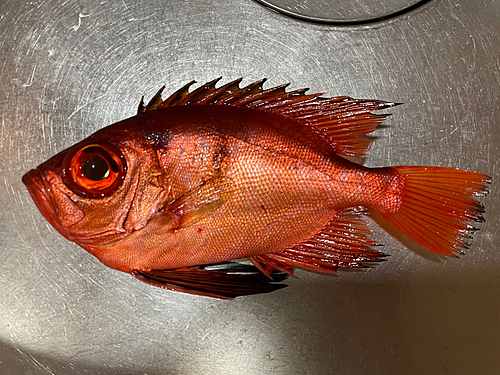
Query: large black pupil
column 95, row 168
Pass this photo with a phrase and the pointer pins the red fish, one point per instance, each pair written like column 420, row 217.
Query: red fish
column 173, row 194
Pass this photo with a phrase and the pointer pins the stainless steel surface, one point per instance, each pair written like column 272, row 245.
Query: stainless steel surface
column 343, row 11
column 69, row 68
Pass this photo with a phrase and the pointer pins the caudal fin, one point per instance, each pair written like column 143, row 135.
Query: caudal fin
column 437, row 206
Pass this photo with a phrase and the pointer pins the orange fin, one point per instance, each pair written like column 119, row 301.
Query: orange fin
column 437, row 204
column 343, row 243
column 268, row 265
column 342, row 121
column 226, row 280
column 200, row 201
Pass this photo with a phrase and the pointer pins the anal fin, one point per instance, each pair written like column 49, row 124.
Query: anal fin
column 267, row 265
column 343, row 243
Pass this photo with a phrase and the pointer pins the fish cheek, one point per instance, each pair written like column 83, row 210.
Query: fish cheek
column 101, row 223
column 67, row 211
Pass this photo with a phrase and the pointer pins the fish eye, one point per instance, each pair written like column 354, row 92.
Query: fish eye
column 96, row 168
column 95, row 171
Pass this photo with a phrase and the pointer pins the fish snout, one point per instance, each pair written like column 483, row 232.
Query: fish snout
column 48, row 199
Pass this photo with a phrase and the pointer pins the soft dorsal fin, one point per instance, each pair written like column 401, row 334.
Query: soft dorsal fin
column 340, row 120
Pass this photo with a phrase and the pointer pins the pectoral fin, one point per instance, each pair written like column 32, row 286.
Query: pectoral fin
column 226, row 280
column 200, row 201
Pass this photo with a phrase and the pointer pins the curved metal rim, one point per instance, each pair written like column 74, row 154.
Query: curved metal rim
column 352, row 22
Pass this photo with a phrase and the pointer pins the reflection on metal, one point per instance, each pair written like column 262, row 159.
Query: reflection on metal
column 344, row 13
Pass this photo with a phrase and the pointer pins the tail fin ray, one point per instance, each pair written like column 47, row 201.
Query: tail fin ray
column 438, row 205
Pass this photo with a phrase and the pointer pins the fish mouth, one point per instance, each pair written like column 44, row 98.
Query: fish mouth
column 40, row 189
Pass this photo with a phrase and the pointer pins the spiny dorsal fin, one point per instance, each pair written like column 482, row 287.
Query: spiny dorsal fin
column 340, row 120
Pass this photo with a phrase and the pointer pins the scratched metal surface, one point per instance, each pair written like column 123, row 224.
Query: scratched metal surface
column 69, row 68
column 339, row 11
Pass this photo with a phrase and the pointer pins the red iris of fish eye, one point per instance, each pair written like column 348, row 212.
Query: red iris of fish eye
column 95, row 181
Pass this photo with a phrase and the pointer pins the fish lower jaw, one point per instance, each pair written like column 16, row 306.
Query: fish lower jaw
column 40, row 191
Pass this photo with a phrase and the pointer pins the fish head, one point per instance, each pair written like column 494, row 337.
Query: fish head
column 102, row 189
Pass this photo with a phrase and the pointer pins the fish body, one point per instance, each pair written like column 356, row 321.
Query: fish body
column 219, row 174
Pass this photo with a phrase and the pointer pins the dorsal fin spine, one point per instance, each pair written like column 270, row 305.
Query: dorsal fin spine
column 214, row 95
column 200, row 92
column 340, row 120
column 177, row 96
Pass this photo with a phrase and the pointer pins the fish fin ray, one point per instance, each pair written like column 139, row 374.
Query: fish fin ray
column 437, row 206
column 342, row 243
column 342, row 121
column 226, row 280
column 267, row 265
column 153, row 104
column 200, row 201
column 177, row 96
